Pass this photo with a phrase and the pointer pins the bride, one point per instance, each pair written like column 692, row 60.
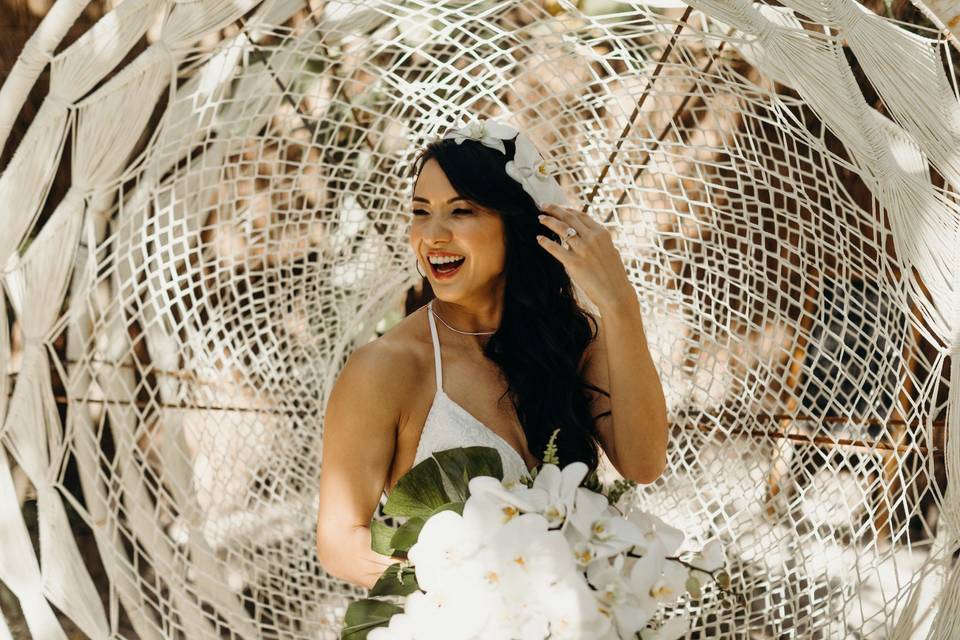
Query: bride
column 502, row 356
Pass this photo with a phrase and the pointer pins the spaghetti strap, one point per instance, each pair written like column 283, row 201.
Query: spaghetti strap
column 436, row 347
column 448, row 425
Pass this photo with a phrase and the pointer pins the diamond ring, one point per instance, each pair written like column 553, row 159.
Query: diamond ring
column 569, row 234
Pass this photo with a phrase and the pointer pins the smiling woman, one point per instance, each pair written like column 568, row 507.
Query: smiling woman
column 509, row 328
column 456, row 229
column 445, row 266
column 443, row 263
column 481, row 193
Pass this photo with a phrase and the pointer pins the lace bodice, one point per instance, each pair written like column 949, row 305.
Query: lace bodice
column 449, row 425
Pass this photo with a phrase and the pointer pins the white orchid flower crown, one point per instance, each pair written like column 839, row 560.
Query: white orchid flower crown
column 527, row 167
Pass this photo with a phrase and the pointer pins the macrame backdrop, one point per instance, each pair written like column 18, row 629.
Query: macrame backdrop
column 781, row 182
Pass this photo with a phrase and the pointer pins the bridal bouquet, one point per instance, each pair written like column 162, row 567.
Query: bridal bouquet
column 529, row 559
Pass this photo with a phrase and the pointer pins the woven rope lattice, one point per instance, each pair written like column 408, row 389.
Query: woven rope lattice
column 784, row 200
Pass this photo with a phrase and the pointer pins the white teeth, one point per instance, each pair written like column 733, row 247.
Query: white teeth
column 443, row 260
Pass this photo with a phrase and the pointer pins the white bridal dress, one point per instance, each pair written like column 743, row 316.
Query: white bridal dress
column 449, row 425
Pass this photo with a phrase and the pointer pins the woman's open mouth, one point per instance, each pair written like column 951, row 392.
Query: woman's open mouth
column 446, row 270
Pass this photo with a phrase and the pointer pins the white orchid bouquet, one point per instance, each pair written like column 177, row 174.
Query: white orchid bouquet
column 543, row 557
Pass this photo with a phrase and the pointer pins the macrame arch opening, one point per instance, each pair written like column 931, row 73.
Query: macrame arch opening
column 781, row 182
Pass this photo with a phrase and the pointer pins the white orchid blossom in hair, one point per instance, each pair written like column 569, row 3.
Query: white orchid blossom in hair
column 527, row 166
column 530, row 169
column 489, row 133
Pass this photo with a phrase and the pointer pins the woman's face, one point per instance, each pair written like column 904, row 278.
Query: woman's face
column 446, row 225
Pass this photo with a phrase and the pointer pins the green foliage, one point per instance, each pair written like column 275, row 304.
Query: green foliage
column 451, row 506
column 550, row 453
column 364, row 615
column 618, row 488
column 527, row 481
column 407, row 534
column 463, row 463
column 380, row 535
column 592, row 482
column 418, row 492
column 421, row 491
column 398, row 580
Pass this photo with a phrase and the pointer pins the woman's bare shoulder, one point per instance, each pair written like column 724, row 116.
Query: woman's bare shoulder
column 395, row 359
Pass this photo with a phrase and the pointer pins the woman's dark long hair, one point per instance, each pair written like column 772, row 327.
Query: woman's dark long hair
column 543, row 332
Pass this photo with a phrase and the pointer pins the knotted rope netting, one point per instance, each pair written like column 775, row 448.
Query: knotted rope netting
column 782, row 184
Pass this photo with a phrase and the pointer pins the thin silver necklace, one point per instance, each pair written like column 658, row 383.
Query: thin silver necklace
column 466, row 333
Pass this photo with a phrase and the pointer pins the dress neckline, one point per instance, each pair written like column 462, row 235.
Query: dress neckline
column 438, row 373
column 460, row 407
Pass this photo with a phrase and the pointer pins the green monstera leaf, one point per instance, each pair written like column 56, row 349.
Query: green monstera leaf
column 364, row 615
column 463, row 463
column 380, row 535
column 450, row 506
column 418, row 492
column 407, row 534
column 398, row 580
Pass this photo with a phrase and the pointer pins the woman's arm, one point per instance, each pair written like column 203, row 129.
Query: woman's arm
column 352, row 559
column 359, row 439
column 635, row 435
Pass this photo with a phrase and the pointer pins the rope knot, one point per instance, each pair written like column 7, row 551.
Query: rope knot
column 766, row 30
column 32, row 341
column 847, row 16
column 57, row 100
column 163, row 47
column 78, row 190
column 35, row 58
